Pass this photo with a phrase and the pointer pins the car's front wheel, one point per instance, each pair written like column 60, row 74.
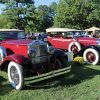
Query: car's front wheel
column 15, row 75
column 60, row 62
column 57, row 64
column 91, row 56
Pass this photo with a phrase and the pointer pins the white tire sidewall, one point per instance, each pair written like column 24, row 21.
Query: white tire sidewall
column 76, row 43
column 19, row 69
column 96, row 54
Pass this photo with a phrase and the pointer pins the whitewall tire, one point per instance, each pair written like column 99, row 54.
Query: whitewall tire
column 74, row 46
column 15, row 75
column 91, row 56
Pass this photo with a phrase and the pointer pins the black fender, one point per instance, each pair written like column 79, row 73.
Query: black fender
column 59, row 54
column 80, row 53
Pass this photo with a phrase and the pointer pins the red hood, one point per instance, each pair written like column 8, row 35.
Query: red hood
column 86, row 41
column 18, row 42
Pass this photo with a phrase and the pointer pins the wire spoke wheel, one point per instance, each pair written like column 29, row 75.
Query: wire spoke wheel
column 14, row 75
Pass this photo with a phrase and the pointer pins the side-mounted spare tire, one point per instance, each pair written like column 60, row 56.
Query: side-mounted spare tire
column 91, row 56
column 15, row 75
column 74, row 46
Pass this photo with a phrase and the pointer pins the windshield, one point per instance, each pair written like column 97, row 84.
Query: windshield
column 80, row 33
column 71, row 34
column 75, row 34
column 21, row 35
column 12, row 35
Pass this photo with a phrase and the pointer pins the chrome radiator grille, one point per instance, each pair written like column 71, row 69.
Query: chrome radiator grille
column 41, row 50
column 41, row 59
column 40, row 47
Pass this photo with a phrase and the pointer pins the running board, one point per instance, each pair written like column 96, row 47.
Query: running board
column 48, row 75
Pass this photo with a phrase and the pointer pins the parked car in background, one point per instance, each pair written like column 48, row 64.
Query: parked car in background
column 6, row 34
column 77, row 41
column 22, row 58
column 93, row 31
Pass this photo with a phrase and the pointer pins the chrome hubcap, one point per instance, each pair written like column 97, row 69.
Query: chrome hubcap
column 91, row 57
column 74, row 48
column 14, row 75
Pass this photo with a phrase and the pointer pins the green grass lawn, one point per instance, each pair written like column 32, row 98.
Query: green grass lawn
column 82, row 83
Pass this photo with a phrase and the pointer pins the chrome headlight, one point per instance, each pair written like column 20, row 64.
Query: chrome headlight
column 32, row 52
column 50, row 49
column 98, row 42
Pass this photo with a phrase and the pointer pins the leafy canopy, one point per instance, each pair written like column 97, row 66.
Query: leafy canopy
column 78, row 13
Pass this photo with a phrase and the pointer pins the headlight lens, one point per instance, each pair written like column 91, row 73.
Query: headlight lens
column 32, row 52
column 50, row 49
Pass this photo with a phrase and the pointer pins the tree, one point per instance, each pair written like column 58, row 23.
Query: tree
column 44, row 16
column 21, row 13
column 78, row 13
column 53, row 7
column 18, row 1
column 5, row 23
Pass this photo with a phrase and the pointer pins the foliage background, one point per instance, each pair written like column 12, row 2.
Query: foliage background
column 23, row 14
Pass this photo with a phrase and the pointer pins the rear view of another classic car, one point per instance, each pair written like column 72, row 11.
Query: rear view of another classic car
column 36, row 59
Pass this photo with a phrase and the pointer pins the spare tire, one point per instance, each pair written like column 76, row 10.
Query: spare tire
column 74, row 46
column 91, row 56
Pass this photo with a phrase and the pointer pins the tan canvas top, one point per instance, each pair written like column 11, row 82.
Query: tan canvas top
column 60, row 30
column 12, row 30
column 93, row 29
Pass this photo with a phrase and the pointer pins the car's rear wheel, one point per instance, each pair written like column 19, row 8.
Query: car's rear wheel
column 91, row 56
column 74, row 47
column 15, row 75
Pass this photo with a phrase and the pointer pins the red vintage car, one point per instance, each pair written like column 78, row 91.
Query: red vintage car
column 77, row 41
column 23, row 58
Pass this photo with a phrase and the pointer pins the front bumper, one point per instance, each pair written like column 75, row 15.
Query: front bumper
column 48, row 75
